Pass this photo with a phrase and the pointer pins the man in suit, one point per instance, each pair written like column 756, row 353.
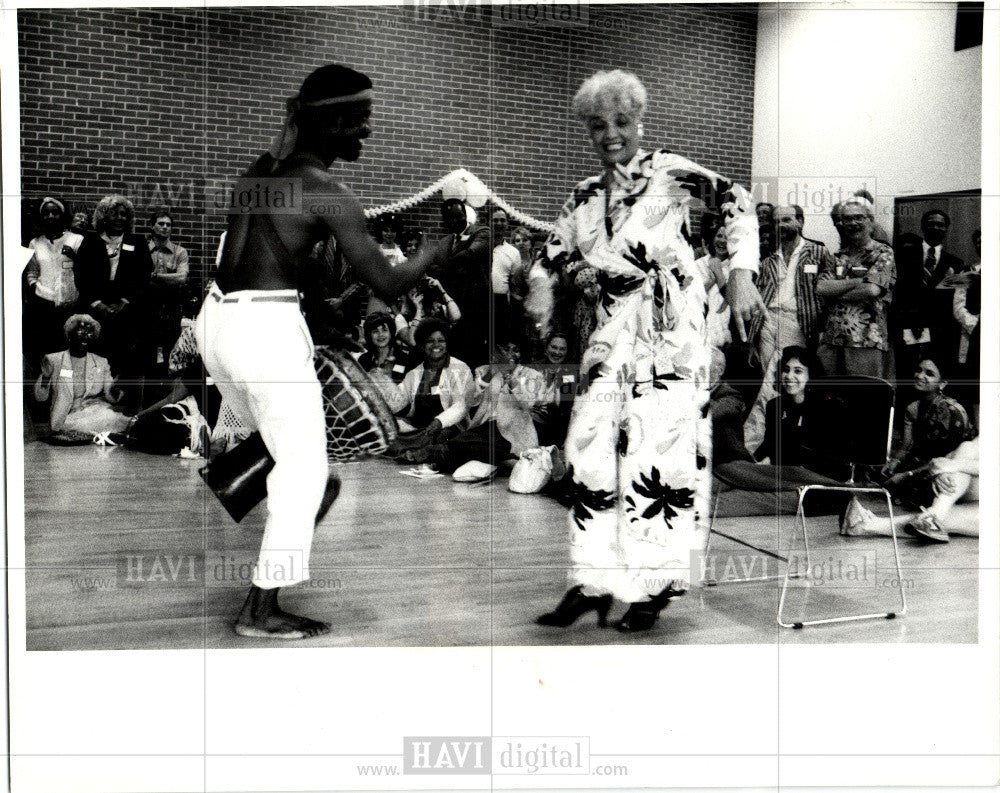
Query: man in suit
column 112, row 270
column 929, row 300
column 465, row 275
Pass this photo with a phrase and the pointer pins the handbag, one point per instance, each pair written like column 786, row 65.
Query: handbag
column 532, row 470
column 238, row 478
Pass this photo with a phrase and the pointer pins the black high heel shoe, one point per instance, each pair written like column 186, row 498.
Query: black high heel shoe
column 574, row 605
column 642, row 616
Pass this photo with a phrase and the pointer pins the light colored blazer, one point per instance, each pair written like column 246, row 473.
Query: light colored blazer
column 57, row 379
column 455, row 388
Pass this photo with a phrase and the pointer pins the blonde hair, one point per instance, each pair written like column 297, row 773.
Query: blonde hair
column 615, row 90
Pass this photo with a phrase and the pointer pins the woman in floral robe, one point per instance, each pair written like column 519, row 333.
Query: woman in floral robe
column 639, row 441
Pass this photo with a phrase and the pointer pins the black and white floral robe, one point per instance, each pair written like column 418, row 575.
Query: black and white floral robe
column 639, row 440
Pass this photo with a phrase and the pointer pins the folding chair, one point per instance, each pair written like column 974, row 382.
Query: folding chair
column 758, row 478
column 854, row 427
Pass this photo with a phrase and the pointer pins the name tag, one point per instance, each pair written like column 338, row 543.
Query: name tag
column 435, row 390
column 568, row 378
column 127, row 247
column 209, row 381
column 66, row 373
column 399, row 368
column 810, row 269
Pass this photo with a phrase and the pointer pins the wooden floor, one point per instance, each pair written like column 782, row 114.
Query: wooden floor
column 407, row 562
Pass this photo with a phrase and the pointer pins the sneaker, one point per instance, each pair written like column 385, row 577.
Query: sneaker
column 925, row 527
column 856, row 520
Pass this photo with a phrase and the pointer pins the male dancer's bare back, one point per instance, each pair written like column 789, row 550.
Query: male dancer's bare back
column 267, row 251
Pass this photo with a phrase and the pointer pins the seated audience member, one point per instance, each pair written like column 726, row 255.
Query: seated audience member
column 381, row 351
column 714, row 267
column 383, row 360
column 52, row 292
column 857, row 289
column 561, row 383
column 787, row 285
column 954, row 479
column 170, row 275
column 465, row 275
column 502, row 426
column 934, row 426
column 786, row 417
column 586, row 293
column 181, row 418
column 79, row 383
column 437, row 390
column 427, row 300
column 113, row 268
column 935, row 466
column 728, row 412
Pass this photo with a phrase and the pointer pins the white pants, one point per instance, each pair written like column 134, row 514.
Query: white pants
column 260, row 355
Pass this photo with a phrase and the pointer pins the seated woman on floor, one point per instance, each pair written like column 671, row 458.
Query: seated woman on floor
column 504, row 394
column 80, row 383
column 934, row 428
column 786, row 417
column 436, row 392
column 381, row 350
column 561, row 379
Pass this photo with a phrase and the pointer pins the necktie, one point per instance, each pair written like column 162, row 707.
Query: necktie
column 929, row 264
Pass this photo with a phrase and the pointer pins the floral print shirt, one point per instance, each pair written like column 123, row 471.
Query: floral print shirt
column 851, row 323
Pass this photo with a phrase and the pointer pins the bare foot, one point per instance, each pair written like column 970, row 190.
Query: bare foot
column 262, row 618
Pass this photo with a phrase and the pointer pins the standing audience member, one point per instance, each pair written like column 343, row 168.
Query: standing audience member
column 113, row 270
column 878, row 230
column 521, row 240
column 170, row 275
column 714, row 267
column 504, row 260
column 80, row 223
column 465, row 275
column 386, row 233
column 857, row 289
column 52, row 292
column 966, row 306
column 787, row 284
column 800, row 216
column 427, row 299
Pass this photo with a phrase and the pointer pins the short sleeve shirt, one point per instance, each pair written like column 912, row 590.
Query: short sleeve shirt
column 861, row 324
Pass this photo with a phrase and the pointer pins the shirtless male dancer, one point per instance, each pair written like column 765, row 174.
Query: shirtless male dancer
column 254, row 340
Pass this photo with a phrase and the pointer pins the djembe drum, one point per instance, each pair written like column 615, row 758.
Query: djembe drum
column 358, row 420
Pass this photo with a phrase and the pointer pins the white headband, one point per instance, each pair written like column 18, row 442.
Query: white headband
column 56, row 201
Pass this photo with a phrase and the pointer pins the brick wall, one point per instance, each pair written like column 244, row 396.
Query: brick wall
column 154, row 102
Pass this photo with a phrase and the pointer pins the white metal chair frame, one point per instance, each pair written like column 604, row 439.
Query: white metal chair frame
column 800, row 519
column 847, row 487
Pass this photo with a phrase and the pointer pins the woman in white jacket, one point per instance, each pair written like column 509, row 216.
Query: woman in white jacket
column 437, row 391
